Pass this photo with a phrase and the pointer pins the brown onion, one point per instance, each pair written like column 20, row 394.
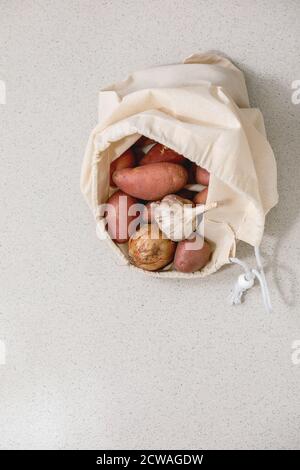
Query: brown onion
column 148, row 249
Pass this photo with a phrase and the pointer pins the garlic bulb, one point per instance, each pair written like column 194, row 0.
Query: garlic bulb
column 177, row 218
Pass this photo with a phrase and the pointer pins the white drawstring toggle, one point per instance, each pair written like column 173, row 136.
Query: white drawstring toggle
column 246, row 281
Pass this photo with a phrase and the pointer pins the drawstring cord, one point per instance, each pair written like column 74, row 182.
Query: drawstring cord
column 246, row 281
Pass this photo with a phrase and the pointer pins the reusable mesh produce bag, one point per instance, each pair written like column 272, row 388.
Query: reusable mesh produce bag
column 200, row 109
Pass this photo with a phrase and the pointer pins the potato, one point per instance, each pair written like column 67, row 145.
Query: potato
column 201, row 197
column 117, row 217
column 160, row 153
column 149, row 249
column 189, row 259
column 126, row 160
column 151, row 182
column 201, row 176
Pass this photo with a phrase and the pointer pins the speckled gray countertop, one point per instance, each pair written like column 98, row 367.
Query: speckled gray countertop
column 98, row 356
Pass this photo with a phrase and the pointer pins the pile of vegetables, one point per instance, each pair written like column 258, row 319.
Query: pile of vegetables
column 164, row 231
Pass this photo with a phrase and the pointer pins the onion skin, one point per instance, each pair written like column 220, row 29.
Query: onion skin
column 149, row 253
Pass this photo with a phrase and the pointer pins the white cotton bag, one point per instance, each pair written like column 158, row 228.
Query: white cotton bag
column 200, row 109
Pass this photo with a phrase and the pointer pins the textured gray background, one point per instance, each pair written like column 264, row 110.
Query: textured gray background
column 98, row 356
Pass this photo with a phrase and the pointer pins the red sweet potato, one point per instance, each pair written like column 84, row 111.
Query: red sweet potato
column 117, row 217
column 153, row 181
column 160, row 153
column 201, row 197
column 189, row 260
column 126, row 160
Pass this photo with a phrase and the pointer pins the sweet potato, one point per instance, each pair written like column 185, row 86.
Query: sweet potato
column 201, row 175
column 151, row 182
column 189, row 258
column 126, row 160
column 117, row 217
column 201, row 197
column 160, row 153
